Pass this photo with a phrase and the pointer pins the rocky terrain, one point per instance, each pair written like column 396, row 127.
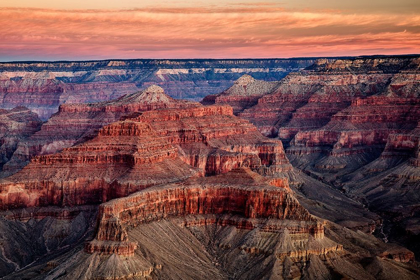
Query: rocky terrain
column 43, row 86
column 16, row 126
column 352, row 124
column 244, row 93
column 76, row 123
column 145, row 186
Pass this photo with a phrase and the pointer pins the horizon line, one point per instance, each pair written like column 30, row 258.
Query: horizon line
column 204, row 59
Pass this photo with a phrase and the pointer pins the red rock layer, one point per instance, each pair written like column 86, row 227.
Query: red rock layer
column 402, row 145
column 308, row 100
column 75, row 123
column 124, row 157
column 366, row 123
column 214, row 140
column 153, row 148
column 244, row 94
column 250, row 197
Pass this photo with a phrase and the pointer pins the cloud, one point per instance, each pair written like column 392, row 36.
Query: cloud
column 250, row 31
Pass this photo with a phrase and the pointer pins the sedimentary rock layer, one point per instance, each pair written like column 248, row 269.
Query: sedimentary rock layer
column 43, row 86
column 76, row 123
column 155, row 147
column 244, row 93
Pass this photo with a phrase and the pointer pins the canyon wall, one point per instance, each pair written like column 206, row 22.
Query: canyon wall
column 150, row 148
column 76, row 123
column 43, row 86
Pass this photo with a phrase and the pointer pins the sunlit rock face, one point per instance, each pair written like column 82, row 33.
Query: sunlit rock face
column 76, row 123
column 150, row 148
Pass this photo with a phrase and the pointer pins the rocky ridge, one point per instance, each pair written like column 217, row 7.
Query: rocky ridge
column 76, row 123
column 43, row 86
column 353, row 124
column 244, row 222
column 153, row 148
column 244, row 93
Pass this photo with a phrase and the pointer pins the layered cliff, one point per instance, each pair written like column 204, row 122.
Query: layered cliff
column 76, row 123
column 358, row 132
column 225, row 225
column 214, row 140
column 244, row 93
column 43, row 86
column 124, row 157
column 150, row 148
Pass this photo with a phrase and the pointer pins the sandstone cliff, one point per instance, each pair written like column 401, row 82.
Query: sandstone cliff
column 76, row 123
column 155, row 147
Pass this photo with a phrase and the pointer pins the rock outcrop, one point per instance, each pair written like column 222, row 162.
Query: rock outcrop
column 185, row 191
column 16, row 126
column 214, row 140
column 124, row 157
column 43, row 86
column 76, row 123
column 244, row 94
column 152, row 148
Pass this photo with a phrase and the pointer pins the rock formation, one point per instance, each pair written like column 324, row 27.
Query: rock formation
column 156, row 147
column 43, row 86
column 185, row 191
column 224, row 225
column 353, row 124
column 76, row 123
column 244, row 93
column 16, row 126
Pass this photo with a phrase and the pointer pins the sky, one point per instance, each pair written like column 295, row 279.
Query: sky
column 128, row 29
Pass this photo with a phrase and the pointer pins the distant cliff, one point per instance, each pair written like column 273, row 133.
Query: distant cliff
column 43, row 86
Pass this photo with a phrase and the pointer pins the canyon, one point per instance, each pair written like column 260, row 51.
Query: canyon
column 43, row 86
column 353, row 124
column 310, row 174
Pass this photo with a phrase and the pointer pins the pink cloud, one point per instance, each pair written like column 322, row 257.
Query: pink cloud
column 259, row 31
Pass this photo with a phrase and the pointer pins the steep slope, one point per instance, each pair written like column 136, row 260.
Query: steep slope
column 231, row 226
column 354, row 136
column 76, row 123
column 214, row 140
column 16, row 126
column 352, row 124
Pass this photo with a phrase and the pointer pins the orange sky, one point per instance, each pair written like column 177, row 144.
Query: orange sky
column 71, row 30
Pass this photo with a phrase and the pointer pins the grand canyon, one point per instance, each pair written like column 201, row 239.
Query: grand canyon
column 302, row 168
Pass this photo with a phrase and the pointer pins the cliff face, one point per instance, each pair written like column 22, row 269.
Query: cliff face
column 156, row 147
column 245, row 194
column 214, row 140
column 101, row 169
column 186, row 191
column 244, row 94
column 337, row 115
column 353, row 124
column 43, row 86
column 76, row 123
